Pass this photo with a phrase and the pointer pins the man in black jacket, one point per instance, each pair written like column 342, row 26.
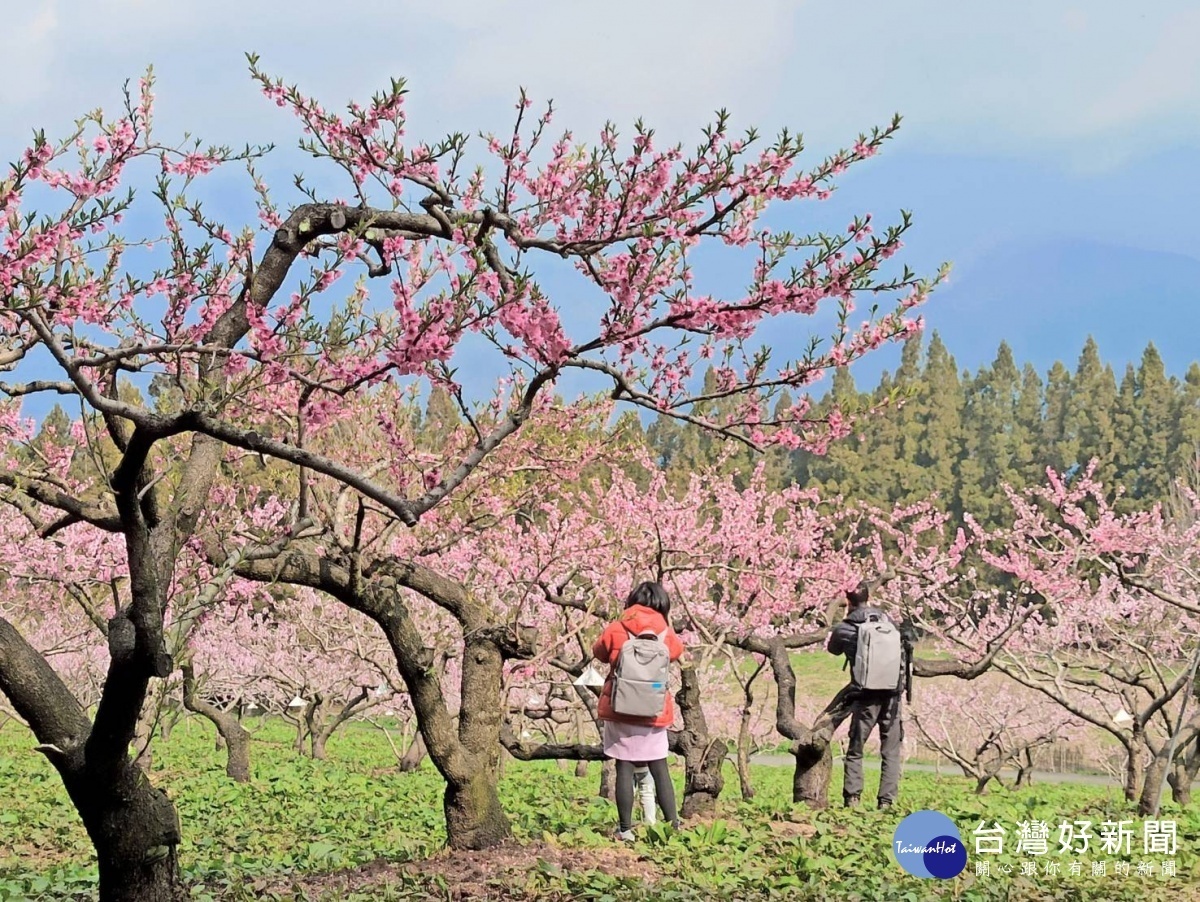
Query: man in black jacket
column 869, row 708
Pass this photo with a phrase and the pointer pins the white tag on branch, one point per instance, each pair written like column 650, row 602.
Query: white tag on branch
column 590, row 677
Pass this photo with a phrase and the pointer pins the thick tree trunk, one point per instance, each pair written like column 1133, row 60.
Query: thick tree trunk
column 1152, row 784
column 474, row 818
column 230, row 731
column 1181, row 779
column 704, row 756
column 132, row 825
column 1134, row 770
column 319, row 739
column 135, row 830
column 468, row 757
column 1183, row 773
column 814, row 769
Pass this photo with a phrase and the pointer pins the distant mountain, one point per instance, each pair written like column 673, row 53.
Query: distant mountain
column 1046, row 298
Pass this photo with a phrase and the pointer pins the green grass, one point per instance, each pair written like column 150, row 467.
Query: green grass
column 299, row 818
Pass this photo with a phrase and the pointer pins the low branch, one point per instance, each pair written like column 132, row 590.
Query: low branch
column 39, row 696
column 548, row 751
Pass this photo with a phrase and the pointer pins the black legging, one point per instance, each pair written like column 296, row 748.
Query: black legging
column 664, row 789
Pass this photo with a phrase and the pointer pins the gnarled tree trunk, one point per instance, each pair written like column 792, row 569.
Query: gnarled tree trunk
column 229, row 728
column 132, row 825
column 328, row 725
column 134, row 828
column 1183, row 773
column 703, row 755
column 474, row 817
column 810, row 747
column 467, row 755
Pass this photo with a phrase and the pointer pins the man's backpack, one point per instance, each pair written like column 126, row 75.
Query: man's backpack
column 640, row 675
column 879, row 658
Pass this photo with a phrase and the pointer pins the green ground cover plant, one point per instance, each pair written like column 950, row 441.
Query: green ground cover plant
column 353, row 827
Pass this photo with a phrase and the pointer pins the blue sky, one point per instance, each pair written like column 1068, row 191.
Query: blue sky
column 1049, row 148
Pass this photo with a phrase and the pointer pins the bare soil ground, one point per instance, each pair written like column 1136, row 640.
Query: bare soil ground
column 496, row 875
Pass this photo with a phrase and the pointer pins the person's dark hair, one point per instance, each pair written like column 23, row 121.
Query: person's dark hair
column 858, row 595
column 650, row 595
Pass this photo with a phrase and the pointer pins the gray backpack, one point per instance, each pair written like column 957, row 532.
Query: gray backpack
column 879, row 658
column 640, row 675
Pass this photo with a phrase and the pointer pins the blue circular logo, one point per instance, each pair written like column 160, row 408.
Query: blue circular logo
column 927, row 844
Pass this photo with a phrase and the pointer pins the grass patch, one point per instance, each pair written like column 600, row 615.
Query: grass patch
column 352, row 827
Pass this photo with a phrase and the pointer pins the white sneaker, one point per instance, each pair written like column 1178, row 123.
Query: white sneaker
column 624, row 835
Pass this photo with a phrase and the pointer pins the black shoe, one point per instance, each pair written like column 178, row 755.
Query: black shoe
column 851, row 801
column 885, row 803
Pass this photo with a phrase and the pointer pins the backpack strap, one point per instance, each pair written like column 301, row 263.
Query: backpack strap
column 661, row 637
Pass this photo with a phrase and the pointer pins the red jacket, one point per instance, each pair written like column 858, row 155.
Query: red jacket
column 638, row 619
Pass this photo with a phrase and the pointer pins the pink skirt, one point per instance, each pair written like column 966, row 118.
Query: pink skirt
column 632, row 742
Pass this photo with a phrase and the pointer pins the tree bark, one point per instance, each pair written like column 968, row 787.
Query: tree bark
column 319, row 739
column 474, row 818
column 1152, row 782
column 581, row 769
column 1183, row 774
column 981, row 784
column 413, row 755
column 814, row 769
column 1025, row 769
column 229, row 728
column 1134, row 768
column 810, row 747
column 745, row 784
column 325, row 727
column 132, row 825
column 301, row 722
column 136, row 832
column 704, row 756
column 608, row 780
column 467, row 756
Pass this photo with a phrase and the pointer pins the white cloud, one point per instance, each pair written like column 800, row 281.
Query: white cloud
column 1068, row 81
column 1165, row 79
column 674, row 63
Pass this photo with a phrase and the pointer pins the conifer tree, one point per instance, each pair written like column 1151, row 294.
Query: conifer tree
column 1185, row 439
column 1090, row 416
column 941, row 440
column 1156, row 406
column 1058, row 446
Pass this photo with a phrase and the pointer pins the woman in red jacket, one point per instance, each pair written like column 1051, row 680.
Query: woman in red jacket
column 638, row 741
